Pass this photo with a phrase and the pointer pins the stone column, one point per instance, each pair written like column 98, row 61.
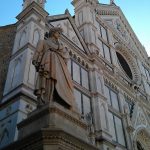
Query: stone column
column 126, row 120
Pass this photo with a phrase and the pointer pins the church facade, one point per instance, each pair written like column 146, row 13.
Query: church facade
column 110, row 71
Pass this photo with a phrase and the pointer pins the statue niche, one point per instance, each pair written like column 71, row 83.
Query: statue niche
column 54, row 81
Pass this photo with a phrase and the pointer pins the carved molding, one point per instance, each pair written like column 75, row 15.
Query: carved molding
column 55, row 109
column 114, row 10
column 132, row 62
column 5, row 130
column 141, row 120
column 111, row 84
column 143, row 137
column 51, row 138
column 79, row 59
column 121, row 30
column 68, row 117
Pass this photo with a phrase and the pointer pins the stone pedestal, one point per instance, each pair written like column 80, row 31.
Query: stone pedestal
column 52, row 127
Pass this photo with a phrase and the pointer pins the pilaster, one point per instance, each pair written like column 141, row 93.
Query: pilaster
column 126, row 120
column 30, row 29
column 18, row 96
column 85, row 20
column 100, row 109
column 52, row 127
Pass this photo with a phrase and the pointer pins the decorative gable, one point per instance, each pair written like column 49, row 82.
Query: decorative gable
column 68, row 31
column 124, row 32
column 140, row 119
column 120, row 27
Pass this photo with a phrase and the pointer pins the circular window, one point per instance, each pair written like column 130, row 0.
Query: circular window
column 124, row 65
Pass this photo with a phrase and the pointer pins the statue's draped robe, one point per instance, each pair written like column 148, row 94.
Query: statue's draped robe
column 50, row 60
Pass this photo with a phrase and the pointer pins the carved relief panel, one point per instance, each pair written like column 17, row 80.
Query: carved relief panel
column 4, row 132
column 7, row 130
column 36, row 34
column 142, row 140
column 31, row 72
column 141, row 120
column 103, row 115
column 31, row 33
column 21, row 38
column 68, row 31
column 36, row 37
column 121, row 30
column 15, row 73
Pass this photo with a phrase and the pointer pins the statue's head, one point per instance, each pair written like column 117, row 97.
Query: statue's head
column 54, row 31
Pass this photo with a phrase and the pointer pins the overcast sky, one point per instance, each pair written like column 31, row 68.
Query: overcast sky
column 137, row 13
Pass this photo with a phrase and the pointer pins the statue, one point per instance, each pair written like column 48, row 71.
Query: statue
column 128, row 119
column 127, row 114
column 54, row 81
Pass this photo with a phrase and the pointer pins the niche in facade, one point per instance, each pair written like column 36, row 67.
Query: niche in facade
column 124, row 65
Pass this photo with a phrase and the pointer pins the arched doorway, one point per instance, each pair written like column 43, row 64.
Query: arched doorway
column 142, row 140
column 139, row 145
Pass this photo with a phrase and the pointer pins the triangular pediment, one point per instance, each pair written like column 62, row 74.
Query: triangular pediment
column 141, row 118
column 122, row 29
column 115, row 19
column 70, row 30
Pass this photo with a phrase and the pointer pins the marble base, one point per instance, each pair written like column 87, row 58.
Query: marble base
column 52, row 127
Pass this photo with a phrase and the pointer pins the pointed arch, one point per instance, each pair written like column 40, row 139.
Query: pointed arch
column 36, row 37
column 104, row 116
column 22, row 39
column 141, row 138
column 16, row 72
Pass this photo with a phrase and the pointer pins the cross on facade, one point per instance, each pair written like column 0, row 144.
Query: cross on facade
column 112, row 2
column 67, row 24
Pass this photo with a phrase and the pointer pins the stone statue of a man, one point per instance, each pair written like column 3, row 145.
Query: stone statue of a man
column 54, row 81
column 127, row 115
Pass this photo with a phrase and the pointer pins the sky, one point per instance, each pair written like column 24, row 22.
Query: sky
column 137, row 13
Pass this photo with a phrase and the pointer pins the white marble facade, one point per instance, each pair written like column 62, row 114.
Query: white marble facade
column 112, row 98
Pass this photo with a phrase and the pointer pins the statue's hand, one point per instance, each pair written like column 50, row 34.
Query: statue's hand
column 36, row 64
